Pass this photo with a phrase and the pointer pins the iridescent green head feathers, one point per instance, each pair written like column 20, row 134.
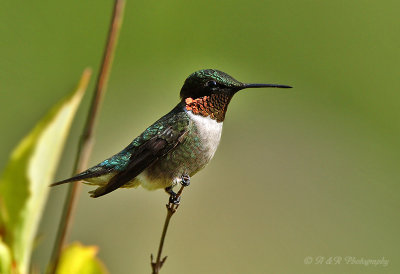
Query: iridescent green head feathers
column 206, row 82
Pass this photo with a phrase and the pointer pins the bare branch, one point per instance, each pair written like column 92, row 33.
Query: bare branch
column 85, row 145
column 171, row 209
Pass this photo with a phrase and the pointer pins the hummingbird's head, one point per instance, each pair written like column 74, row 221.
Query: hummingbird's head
column 209, row 91
column 209, row 81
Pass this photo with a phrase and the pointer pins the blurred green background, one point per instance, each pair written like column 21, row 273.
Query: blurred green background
column 312, row 171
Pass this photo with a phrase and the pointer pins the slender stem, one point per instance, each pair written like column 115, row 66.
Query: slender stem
column 85, row 145
column 171, row 209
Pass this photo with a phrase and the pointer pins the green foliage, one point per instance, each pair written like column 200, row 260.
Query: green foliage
column 24, row 185
column 5, row 258
column 77, row 258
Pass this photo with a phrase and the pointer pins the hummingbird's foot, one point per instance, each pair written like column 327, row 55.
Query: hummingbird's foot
column 185, row 180
column 173, row 197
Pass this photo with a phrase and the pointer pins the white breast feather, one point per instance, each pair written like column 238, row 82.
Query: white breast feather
column 209, row 132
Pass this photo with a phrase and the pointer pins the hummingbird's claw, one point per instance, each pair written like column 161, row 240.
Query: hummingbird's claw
column 170, row 191
column 185, row 180
column 174, row 199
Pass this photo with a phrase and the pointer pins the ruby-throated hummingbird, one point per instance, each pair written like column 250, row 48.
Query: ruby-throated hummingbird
column 176, row 146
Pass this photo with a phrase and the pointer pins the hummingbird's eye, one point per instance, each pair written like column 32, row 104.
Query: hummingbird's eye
column 211, row 84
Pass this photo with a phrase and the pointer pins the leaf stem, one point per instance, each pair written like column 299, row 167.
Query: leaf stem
column 171, row 209
column 86, row 142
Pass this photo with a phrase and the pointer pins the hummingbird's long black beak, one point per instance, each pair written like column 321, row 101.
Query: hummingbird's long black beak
column 264, row 86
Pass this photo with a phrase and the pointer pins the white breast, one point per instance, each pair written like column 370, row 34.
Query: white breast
column 209, row 132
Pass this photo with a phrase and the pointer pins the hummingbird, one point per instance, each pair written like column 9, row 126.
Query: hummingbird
column 175, row 147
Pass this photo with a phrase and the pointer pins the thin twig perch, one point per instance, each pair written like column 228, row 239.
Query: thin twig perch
column 171, row 209
column 85, row 145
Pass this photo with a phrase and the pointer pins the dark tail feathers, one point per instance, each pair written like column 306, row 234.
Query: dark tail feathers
column 78, row 177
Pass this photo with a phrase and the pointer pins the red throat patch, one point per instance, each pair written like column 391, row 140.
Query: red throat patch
column 214, row 106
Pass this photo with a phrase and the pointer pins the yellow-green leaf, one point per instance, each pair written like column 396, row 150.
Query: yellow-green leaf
column 5, row 258
column 24, row 185
column 77, row 258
